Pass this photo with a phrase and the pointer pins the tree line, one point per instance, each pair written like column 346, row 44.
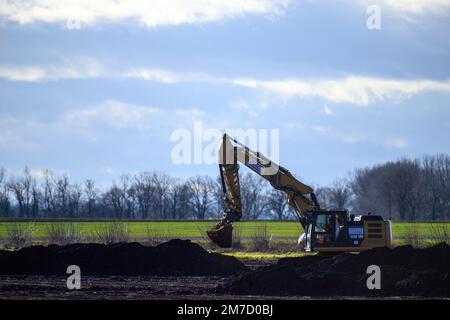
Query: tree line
column 417, row 189
column 406, row 189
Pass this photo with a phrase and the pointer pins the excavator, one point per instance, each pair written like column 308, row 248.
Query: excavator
column 328, row 231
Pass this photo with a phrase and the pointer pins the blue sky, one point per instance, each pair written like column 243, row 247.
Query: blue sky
column 95, row 89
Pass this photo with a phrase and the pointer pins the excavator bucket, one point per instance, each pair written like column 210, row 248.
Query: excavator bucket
column 222, row 235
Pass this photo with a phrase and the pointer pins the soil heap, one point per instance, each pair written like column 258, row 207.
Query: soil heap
column 172, row 258
column 405, row 271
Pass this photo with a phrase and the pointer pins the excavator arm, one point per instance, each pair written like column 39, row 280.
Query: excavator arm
column 300, row 196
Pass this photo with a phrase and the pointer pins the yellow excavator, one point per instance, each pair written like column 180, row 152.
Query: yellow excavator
column 324, row 230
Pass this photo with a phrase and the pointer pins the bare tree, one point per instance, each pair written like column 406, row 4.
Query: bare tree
column 35, row 200
column 323, row 196
column 371, row 194
column 404, row 183
column 62, row 194
column 277, row 204
column 179, row 196
column 437, row 179
column 202, row 197
column 5, row 204
column 22, row 191
column 252, row 190
column 143, row 192
column 91, row 195
column 162, row 183
column 119, row 198
column 75, row 196
column 218, row 196
column 114, row 201
column 127, row 194
column 340, row 194
column 48, row 194
column 405, row 189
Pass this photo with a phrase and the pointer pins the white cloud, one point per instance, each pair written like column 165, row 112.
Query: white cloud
column 152, row 13
column 87, row 69
column 170, row 77
column 153, row 75
column 352, row 89
column 116, row 114
column 396, row 142
column 23, row 74
column 327, row 111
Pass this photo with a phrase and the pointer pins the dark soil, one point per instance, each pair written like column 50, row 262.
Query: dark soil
column 172, row 258
column 110, row 288
column 405, row 271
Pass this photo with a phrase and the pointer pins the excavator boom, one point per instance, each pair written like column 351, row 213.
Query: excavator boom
column 300, row 196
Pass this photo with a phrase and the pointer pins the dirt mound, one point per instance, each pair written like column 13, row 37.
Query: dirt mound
column 405, row 271
column 175, row 257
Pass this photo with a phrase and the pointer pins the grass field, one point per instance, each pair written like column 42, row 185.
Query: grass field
column 196, row 229
column 174, row 229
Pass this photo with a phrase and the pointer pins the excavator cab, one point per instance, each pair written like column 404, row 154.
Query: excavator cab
column 336, row 231
column 325, row 229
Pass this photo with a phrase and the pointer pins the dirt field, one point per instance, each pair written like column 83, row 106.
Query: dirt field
column 115, row 287
column 184, row 270
column 135, row 288
column 122, row 287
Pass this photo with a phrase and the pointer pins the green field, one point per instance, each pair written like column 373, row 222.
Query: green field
column 173, row 229
column 196, row 229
